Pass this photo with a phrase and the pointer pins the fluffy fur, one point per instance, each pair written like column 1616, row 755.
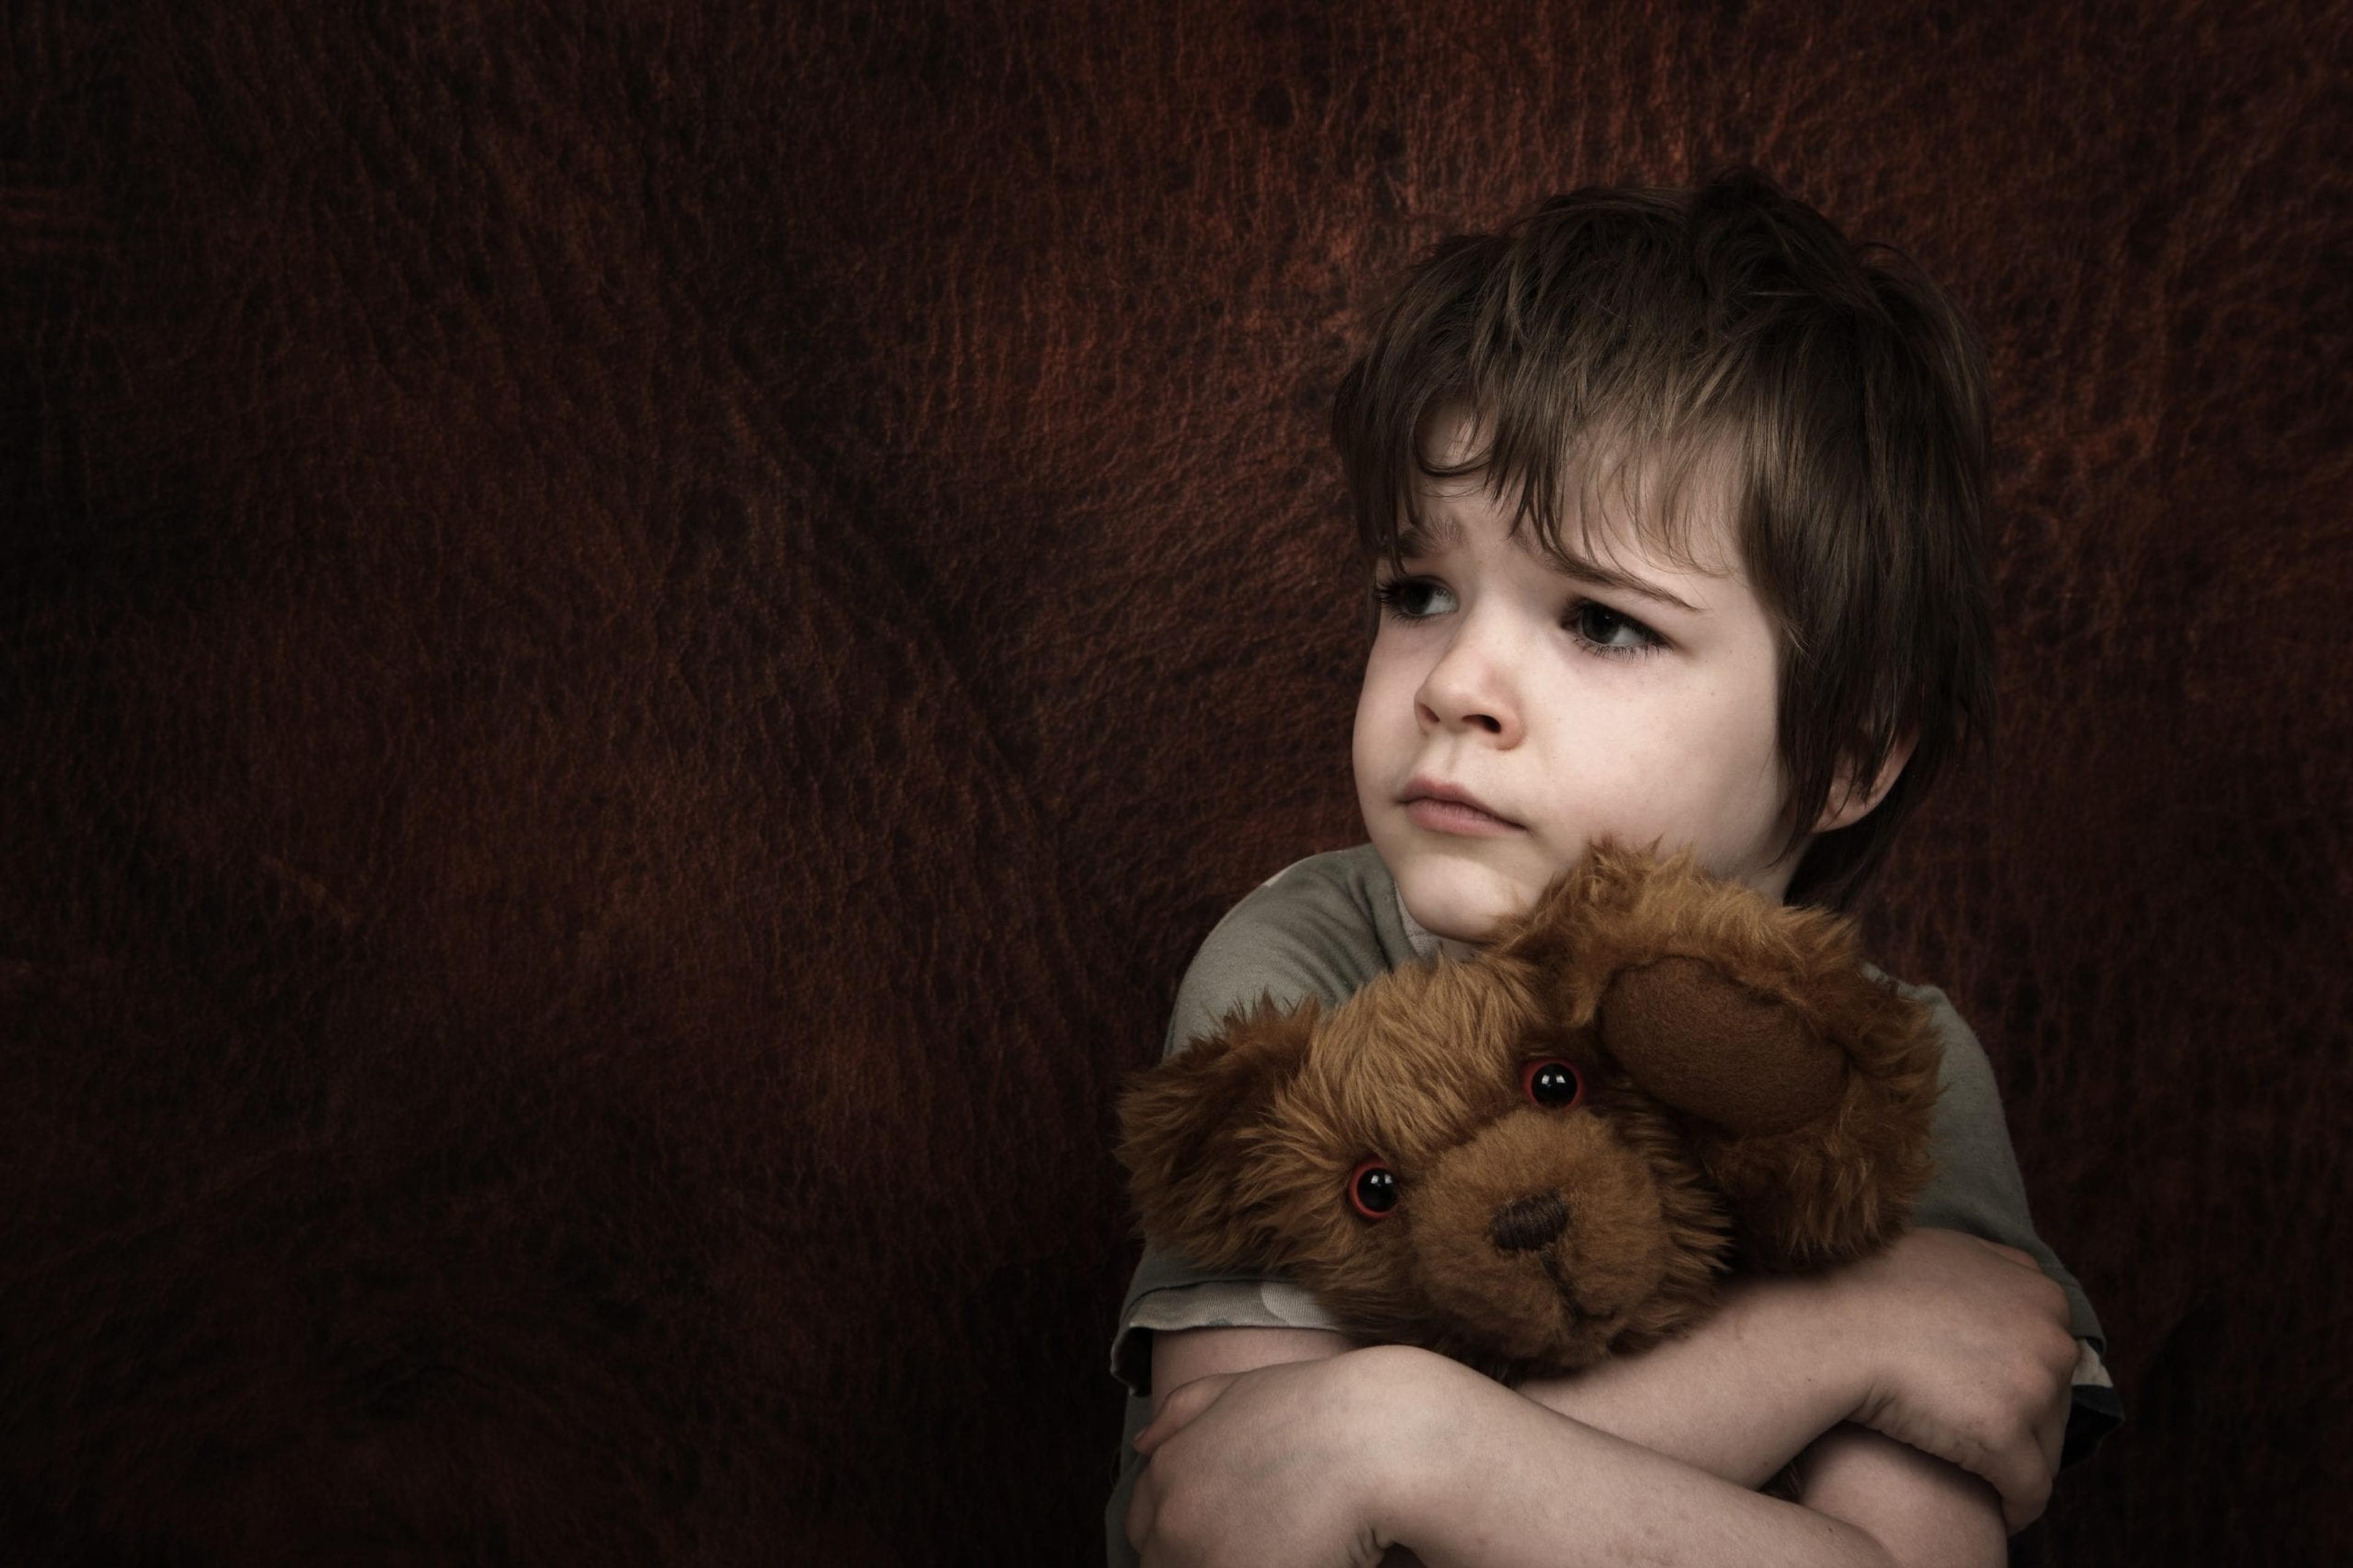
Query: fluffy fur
column 1752, row 1095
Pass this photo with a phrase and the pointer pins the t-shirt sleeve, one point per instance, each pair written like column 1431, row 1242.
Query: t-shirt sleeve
column 1303, row 932
column 1306, row 931
column 1978, row 1188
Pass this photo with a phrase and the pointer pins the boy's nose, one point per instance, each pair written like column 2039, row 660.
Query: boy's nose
column 1464, row 690
column 1469, row 716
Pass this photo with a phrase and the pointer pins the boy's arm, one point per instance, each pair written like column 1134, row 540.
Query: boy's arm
column 1920, row 1510
column 1951, row 1345
column 1332, row 1462
column 1901, row 1344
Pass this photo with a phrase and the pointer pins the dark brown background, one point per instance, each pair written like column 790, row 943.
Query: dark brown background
column 638, row 643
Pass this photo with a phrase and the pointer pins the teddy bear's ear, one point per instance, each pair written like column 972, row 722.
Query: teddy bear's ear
column 1804, row 1082
column 1746, row 1061
column 1613, row 906
column 1810, row 1092
column 1193, row 1127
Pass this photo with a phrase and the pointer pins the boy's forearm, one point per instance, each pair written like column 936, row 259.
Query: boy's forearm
column 1736, row 1401
column 1321, row 1461
column 1922, row 1511
column 1943, row 1342
column 1785, row 1361
column 1521, row 1484
column 1738, row 1397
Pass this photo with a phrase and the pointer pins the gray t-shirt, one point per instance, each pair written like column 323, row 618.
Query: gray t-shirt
column 1327, row 924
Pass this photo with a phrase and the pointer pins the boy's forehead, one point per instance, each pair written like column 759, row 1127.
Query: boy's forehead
column 1616, row 499
column 1590, row 539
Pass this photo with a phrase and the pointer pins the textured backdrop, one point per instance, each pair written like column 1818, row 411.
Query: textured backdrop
column 634, row 647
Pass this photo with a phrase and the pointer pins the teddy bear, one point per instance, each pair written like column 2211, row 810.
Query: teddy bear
column 1554, row 1152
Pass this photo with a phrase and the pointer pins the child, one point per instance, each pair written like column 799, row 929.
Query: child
column 1670, row 505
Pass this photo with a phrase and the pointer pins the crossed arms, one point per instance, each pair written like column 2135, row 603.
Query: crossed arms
column 1924, row 1393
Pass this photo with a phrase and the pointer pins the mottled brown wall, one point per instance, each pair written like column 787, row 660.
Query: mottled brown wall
column 637, row 644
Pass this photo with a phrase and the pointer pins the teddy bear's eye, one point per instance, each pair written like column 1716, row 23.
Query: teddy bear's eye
column 1555, row 1085
column 1373, row 1190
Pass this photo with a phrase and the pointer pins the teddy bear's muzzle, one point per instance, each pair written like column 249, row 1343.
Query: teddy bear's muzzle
column 1536, row 1240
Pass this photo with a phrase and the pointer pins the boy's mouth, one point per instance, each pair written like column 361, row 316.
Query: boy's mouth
column 1450, row 808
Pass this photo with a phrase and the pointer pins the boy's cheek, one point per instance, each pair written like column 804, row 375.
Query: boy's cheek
column 1375, row 756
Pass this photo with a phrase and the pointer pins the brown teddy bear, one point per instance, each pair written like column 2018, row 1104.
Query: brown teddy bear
column 1552, row 1152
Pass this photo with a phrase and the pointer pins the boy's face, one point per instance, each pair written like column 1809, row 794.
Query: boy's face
column 1633, row 697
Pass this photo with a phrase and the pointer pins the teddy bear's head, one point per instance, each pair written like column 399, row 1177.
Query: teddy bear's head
column 1550, row 1153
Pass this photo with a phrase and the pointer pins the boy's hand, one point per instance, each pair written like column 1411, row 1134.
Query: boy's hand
column 1969, row 1359
column 1284, row 1465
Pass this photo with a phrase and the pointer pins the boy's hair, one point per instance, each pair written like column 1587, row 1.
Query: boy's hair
column 1617, row 339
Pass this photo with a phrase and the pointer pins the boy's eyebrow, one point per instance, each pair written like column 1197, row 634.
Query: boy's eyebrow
column 1585, row 569
column 1435, row 535
column 1431, row 536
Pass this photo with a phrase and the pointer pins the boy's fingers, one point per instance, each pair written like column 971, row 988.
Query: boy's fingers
column 2023, row 1508
column 2054, row 1432
column 1143, row 1506
column 2023, row 1259
column 2026, row 1487
column 1177, row 1410
column 2019, row 1475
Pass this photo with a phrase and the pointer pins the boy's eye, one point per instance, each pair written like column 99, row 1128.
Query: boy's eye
column 1412, row 598
column 1605, row 628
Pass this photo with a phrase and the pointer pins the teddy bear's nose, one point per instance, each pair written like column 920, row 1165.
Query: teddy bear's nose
column 1525, row 1224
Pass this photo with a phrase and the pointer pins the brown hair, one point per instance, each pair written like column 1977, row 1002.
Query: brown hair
column 1615, row 338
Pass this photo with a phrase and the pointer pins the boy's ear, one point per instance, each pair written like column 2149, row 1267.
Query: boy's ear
column 1194, row 1127
column 1847, row 805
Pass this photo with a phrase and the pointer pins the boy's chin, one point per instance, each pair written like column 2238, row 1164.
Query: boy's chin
column 1459, row 900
